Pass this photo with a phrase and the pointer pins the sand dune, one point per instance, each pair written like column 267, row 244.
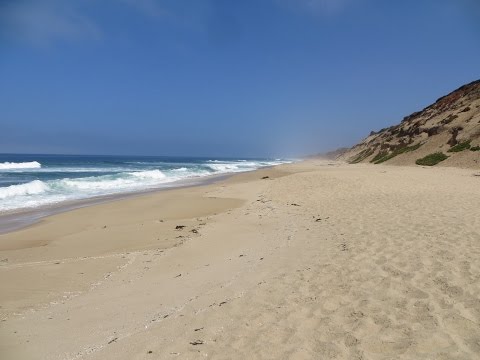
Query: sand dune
column 450, row 126
column 319, row 261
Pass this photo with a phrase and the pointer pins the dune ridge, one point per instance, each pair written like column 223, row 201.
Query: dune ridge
column 450, row 126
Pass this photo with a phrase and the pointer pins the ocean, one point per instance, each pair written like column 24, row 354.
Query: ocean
column 34, row 181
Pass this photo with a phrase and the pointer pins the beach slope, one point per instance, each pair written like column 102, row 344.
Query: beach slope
column 446, row 133
column 315, row 259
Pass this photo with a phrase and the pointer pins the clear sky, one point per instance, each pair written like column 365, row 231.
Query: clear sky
column 224, row 77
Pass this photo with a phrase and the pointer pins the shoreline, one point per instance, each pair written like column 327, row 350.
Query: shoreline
column 11, row 221
column 315, row 258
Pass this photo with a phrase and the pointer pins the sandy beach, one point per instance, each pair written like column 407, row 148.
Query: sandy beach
column 311, row 260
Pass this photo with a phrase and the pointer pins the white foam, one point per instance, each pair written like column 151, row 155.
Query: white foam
column 112, row 183
column 37, row 193
column 218, row 167
column 32, row 188
column 82, row 169
column 149, row 174
column 22, row 165
column 236, row 166
column 86, row 185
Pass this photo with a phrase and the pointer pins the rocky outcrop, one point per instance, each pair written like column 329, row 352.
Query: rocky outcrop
column 453, row 119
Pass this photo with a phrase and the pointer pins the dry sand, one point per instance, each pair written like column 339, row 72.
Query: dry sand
column 321, row 260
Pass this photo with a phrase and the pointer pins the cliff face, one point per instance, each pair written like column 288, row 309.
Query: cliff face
column 446, row 132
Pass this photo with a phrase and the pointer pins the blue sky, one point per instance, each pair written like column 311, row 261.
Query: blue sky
column 223, row 77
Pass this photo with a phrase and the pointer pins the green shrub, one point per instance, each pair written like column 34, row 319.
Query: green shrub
column 460, row 147
column 362, row 156
column 380, row 155
column 432, row 159
column 475, row 148
column 409, row 148
column 384, row 156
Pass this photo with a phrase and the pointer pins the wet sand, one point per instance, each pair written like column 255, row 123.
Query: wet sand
column 19, row 219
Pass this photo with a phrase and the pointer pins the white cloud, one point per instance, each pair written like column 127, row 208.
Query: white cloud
column 48, row 21
column 41, row 23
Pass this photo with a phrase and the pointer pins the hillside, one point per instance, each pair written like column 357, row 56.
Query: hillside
column 446, row 132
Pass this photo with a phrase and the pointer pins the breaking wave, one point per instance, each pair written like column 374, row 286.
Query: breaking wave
column 32, row 188
column 22, row 165
column 69, row 182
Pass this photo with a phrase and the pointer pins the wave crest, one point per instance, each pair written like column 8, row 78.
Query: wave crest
column 32, row 188
column 22, row 165
column 60, row 187
column 149, row 174
column 223, row 167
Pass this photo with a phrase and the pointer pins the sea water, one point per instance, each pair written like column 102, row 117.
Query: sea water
column 32, row 181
